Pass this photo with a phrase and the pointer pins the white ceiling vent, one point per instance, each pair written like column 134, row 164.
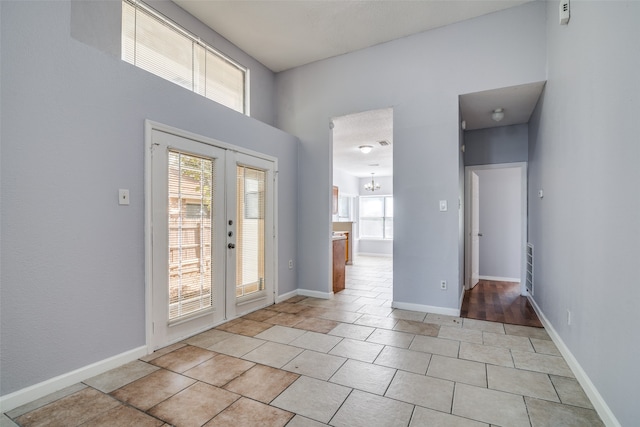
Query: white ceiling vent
column 384, row 143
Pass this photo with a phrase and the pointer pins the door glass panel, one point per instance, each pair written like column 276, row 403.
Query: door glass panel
column 190, row 186
column 250, row 242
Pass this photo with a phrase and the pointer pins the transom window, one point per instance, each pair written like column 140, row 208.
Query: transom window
column 154, row 43
column 376, row 217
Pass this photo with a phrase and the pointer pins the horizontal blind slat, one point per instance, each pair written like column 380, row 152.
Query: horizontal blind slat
column 162, row 48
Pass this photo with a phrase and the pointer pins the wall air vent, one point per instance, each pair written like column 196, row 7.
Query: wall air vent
column 529, row 283
column 384, row 143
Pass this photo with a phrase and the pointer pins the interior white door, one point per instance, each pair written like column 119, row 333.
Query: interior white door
column 250, row 234
column 475, row 230
column 188, row 256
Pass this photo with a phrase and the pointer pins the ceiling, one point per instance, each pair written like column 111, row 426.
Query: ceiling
column 517, row 103
column 367, row 128
column 370, row 127
column 284, row 34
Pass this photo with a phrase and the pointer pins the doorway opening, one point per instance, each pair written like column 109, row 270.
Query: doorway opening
column 494, row 135
column 495, row 244
column 362, row 172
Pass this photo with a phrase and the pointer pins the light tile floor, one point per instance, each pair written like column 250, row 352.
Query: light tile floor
column 349, row 361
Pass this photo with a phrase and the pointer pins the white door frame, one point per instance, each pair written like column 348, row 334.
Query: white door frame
column 151, row 126
column 522, row 166
column 474, row 230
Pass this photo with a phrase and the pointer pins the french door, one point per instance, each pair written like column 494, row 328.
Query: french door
column 212, row 235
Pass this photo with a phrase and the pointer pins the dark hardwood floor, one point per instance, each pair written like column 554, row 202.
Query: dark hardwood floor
column 499, row 302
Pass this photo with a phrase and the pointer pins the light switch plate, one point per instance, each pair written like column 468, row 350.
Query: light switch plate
column 443, row 205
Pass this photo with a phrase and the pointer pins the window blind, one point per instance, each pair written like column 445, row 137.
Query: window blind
column 159, row 46
column 250, row 244
column 190, row 186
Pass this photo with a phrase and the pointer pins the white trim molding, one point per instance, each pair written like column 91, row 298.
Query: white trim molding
column 426, row 308
column 500, row 279
column 286, row 296
column 598, row 402
column 315, row 294
column 36, row 391
column 374, row 254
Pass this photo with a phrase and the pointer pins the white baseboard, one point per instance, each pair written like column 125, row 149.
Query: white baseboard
column 500, row 279
column 286, row 296
column 315, row 294
column 374, row 254
column 601, row 407
column 18, row 398
column 426, row 308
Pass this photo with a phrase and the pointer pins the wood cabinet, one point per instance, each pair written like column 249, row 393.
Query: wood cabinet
column 346, row 248
column 346, row 228
column 339, row 250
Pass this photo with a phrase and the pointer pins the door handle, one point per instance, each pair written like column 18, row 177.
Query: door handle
column 479, row 234
column 231, row 246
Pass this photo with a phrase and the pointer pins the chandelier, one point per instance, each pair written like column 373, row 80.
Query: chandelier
column 372, row 186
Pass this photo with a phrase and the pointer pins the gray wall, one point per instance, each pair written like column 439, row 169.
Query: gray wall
column 503, row 144
column 72, row 275
column 347, row 184
column 500, row 222
column 584, row 152
column 375, row 247
column 72, row 130
column 98, row 24
column 421, row 77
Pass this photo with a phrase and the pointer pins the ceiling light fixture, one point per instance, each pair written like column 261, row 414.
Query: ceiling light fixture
column 497, row 115
column 365, row 149
column 372, row 186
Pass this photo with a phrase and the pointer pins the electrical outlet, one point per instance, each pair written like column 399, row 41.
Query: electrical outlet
column 443, row 285
column 290, row 264
column 123, row 197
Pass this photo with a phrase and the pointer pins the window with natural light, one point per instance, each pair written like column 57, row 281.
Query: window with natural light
column 152, row 42
column 344, row 208
column 376, row 217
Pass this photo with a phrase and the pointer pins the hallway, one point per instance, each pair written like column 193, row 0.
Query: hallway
column 499, row 302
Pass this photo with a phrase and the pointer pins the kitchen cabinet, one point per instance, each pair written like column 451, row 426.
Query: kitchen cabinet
column 346, row 228
column 339, row 250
